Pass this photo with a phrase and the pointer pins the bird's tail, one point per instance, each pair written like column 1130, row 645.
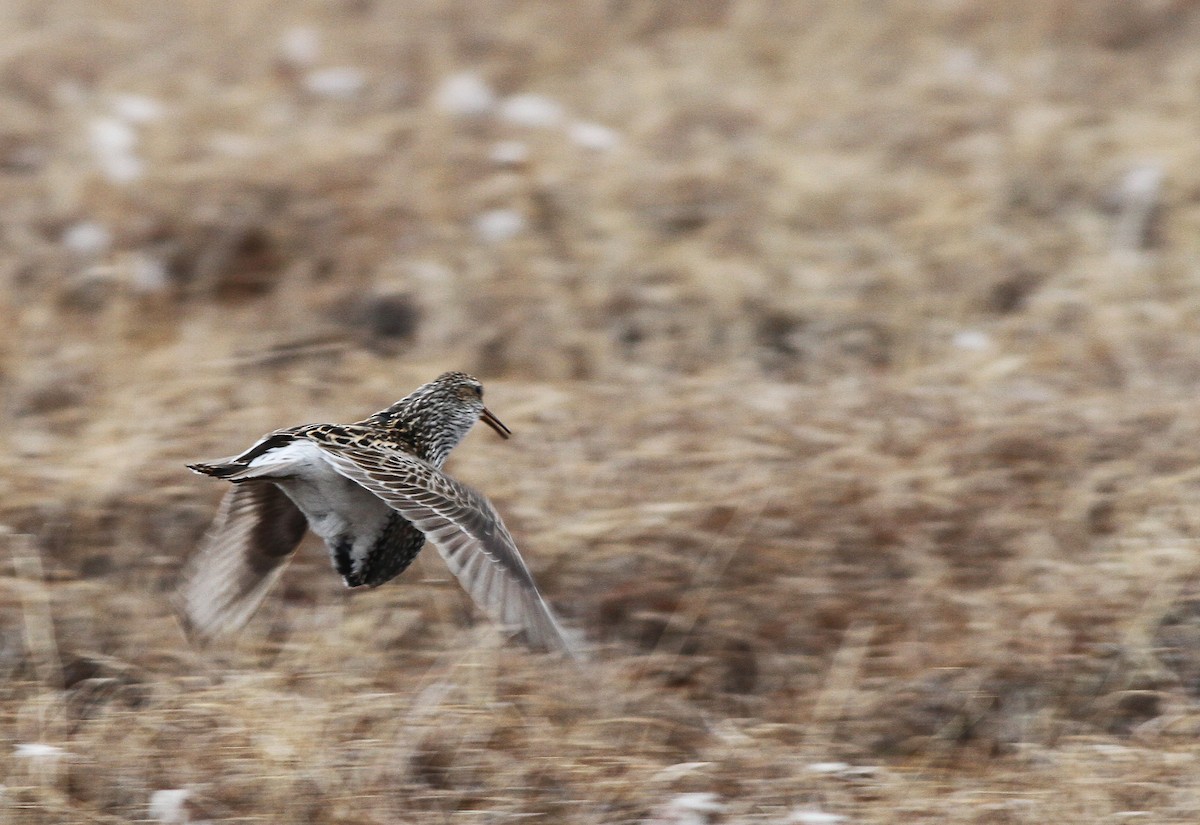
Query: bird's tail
column 215, row 469
column 229, row 469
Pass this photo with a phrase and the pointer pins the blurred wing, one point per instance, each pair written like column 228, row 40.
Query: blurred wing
column 466, row 530
column 256, row 529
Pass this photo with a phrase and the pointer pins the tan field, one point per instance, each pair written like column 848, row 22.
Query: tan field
column 852, row 351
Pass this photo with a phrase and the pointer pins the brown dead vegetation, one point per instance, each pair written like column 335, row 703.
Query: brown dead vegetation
column 854, row 390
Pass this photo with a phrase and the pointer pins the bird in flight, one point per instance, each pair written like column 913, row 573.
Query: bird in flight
column 374, row 491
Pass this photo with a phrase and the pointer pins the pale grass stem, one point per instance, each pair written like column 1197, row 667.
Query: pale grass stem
column 838, row 692
column 36, row 614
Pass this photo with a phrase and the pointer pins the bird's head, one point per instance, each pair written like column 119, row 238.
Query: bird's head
column 439, row 414
column 460, row 396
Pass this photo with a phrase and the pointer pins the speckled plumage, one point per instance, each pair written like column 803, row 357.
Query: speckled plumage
column 374, row 491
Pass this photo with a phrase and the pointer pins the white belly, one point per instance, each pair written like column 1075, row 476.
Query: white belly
column 334, row 505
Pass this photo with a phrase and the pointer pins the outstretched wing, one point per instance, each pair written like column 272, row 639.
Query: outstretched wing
column 256, row 529
column 464, row 527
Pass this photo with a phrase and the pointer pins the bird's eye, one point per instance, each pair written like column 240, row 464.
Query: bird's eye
column 478, row 390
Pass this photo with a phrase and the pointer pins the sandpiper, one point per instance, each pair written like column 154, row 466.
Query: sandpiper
column 374, row 491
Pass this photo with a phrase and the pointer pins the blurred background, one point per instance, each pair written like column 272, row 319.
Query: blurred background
column 851, row 350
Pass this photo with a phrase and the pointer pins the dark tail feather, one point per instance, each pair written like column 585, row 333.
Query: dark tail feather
column 221, row 470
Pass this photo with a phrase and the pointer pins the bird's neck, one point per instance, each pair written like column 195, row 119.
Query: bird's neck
column 429, row 434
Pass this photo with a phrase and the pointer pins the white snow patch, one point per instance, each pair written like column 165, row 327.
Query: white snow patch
column 38, row 750
column 965, row 66
column 168, row 807
column 1138, row 198
column 594, row 136
column 499, row 225
column 687, row 809
column 137, row 108
column 1143, row 182
column 679, row 769
column 971, row 340
column 111, row 136
column 114, row 144
column 465, row 95
column 124, row 168
column 233, row 145
column 828, row 767
column 509, row 153
column 147, row 274
column 431, row 273
column 960, row 63
column 336, row 82
column 811, row 816
column 534, row 111
column 70, row 93
column 87, row 238
column 300, row 46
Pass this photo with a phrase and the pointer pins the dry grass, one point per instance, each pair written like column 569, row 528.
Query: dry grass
column 854, row 389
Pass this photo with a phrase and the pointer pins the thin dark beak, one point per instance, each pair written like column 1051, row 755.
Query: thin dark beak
column 495, row 423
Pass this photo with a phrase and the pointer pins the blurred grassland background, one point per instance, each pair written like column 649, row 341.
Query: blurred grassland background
column 851, row 348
